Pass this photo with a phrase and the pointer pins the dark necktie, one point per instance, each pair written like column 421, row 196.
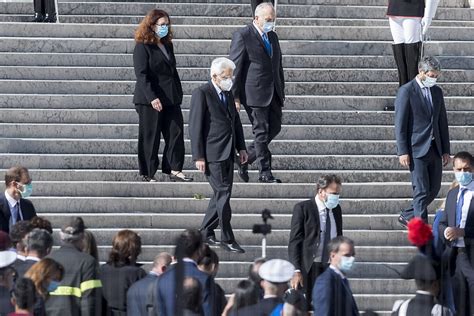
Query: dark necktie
column 223, row 98
column 327, row 238
column 268, row 45
column 426, row 94
column 16, row 214
column 459, row 207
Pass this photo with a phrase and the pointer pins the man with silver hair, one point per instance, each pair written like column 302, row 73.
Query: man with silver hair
column 259, row 87
column 216, row 133
column 421, row 130
column 79, row 292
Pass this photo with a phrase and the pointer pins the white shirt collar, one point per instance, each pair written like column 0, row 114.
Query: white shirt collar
column 154, row 273
column 258, row 30
column 423, row 292
column 470, row 186
column 335, row 269
column 219, row 90
column 269, row 296
column 189, row 260
column 20, row 257
column 422, row 86
column 11, row 201
column 320, row 204
column 32, row 258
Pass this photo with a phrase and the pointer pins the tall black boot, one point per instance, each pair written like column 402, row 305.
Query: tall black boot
column 38, row 17
column 412, row 55
column 400, row 60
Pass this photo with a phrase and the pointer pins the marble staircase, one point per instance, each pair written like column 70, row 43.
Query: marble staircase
column 66, row 113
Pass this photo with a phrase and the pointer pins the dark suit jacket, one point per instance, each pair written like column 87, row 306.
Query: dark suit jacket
column 331, row 297
column 257, row 75
column 305, row 233
column 262, row 308
column 420, row 305
column 27, row 210
column 215, row 129
column 115, row 283
column 157, row 76
column 137, row 295
column 22, row 267
column 166, row 290
column 448, row 219
column 415, row 124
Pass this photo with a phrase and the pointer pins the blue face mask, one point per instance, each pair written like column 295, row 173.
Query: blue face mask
column 52, row 286
column 268, row 26
column 27, row 190
column 346, row 263
column 464, row 178
column 332, row 201
column 161, row 30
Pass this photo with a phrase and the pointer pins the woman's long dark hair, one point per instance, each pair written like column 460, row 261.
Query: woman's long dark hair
column 246, row 293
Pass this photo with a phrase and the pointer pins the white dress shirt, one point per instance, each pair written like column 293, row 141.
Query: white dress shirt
column 322, row 224
column 465, row 209
column 12, row 202
column 335, row 269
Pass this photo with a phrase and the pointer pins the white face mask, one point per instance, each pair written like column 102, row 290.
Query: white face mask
column 429, row 81
column 226, row 84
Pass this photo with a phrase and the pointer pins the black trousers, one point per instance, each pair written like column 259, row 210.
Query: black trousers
column 426, row 173
column 152, row 123
column 464, row 285
column 309, row 278
column 255, row 3
column 221, row 177
column 266, row 125
column 44, row 6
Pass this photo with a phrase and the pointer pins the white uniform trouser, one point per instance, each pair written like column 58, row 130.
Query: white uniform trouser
column 405, row 30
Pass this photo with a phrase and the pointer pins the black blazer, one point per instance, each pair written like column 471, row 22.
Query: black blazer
column 257, row 75
column 415, row 124
column 448, row 219
column 27, row 210
column 305, row 233
column 406, row 8
column 262, row 308
column 157, row 76
column 215, row 130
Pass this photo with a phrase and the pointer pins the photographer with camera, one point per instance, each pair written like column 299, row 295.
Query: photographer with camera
column 313, row 224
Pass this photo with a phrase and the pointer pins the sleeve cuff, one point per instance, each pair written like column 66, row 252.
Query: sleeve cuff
column 445, row 237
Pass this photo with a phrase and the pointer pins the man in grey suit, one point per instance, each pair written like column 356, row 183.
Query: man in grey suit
column 259, row 86
column 421, row 129
column 216, row 134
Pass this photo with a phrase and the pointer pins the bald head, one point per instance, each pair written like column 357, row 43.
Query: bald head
column 161, row 262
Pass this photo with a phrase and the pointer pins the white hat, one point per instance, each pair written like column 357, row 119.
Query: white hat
column 276, row 271
column 7, row 257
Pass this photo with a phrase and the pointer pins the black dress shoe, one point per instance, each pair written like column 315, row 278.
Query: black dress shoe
column 50, row 18
column 232, row 247
column 402, row 221
column 389, row 108
column 243, row 170
column 212, row 241
column 180, row 177
column 268, row 179
column 38, row 17
column 149, row 179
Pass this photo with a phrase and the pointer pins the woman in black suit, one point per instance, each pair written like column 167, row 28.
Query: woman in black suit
column 157, row 98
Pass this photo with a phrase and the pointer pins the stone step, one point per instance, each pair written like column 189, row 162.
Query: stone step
column 277, row 237
column 115, row 31
column 239, row 221
column 288, row 132
column 230, row 10
column 220, row 47
column 240, row 190
column 190, row 74
column 278, row 147
column 204, row 61
column 366, row 253
column 201, row 20
column 297, row 176
column 292, row 102
column 60, row 116
column 292, row 88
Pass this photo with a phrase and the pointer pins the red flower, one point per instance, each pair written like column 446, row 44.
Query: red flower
column 419, row 233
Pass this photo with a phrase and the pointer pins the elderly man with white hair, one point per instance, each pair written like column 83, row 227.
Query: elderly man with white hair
column 216, row 132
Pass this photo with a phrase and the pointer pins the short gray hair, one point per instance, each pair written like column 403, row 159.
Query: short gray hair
column 429, row 63
column 220, row 64
column 335, row 243
column 39, row 240
column 262, row 7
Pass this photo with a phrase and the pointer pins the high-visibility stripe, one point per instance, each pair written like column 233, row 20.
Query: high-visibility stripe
column 90, row 284
column 75, row 291
column 67, row 291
